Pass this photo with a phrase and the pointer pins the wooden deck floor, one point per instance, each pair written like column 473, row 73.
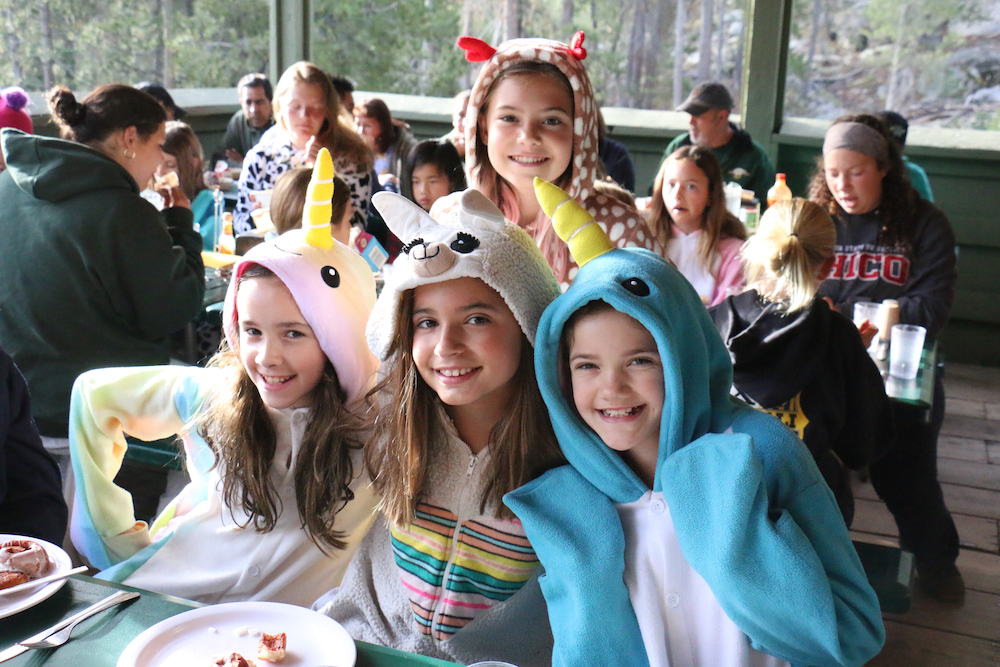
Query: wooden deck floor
column 932, row 634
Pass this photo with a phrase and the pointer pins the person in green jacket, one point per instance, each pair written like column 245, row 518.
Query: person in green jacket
column 898, row 128
column 93, row 275
column 742, row 159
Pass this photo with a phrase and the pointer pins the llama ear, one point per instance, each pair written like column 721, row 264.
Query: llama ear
column 576, row 46
column 476, row 50
column 478, row 212
column 406, row 220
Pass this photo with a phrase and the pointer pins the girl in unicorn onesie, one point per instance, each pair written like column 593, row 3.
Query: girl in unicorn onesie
column 536, row 116
column 688, row 529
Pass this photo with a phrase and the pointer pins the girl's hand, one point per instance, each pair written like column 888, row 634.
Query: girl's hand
column 868, row 332
column 312, row 151
column 174, row 197
column 830, row 303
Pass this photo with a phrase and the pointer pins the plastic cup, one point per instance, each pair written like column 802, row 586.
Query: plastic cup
column 492, row 663
column 904, row 353
column 867, row 310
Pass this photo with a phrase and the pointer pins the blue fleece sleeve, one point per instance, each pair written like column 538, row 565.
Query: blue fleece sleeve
column 785, row 572
column 577, row 535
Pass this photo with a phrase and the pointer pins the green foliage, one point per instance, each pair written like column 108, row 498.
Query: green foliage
column 123, row 41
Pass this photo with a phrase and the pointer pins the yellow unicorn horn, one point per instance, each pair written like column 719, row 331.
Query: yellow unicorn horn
column 318, row 209
column 574, row 225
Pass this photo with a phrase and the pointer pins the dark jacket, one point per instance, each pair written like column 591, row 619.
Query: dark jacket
column 811, row 370
column 31, row 500
column 93, row 275
column 921, row 275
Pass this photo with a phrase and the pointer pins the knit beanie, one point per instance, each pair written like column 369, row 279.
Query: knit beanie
column 472, row 240
column 12, row 113
column 332, row 285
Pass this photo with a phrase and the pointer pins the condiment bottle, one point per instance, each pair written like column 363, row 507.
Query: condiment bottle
column 779, row 190
column 888, row 315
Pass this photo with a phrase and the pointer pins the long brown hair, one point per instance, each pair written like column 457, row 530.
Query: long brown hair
column 522, row 443
column 716, row 220
column 183, row 144
column 336, row 134
column 899, row 198
column 239, row 430
column 485, row 177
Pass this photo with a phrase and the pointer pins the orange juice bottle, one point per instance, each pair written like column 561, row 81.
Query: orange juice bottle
column 227, row 242
column 778, row 191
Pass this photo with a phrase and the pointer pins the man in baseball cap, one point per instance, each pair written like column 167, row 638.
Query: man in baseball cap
column 174, row 112
column 742, row 159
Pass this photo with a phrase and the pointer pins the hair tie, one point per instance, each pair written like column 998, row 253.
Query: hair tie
column 794, row 234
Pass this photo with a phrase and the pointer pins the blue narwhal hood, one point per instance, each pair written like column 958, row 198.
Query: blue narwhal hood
column 697, row 371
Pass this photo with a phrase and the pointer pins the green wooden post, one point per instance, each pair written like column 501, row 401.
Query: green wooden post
column 291, row 34
column 764, row 65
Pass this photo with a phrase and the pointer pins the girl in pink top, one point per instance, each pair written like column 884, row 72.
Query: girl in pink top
column 688, row 215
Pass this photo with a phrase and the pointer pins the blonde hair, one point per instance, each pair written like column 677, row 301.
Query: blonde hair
column 716, row 220
column 336, row 134
column 522, row 443
column 782, row 260
column 289, row 199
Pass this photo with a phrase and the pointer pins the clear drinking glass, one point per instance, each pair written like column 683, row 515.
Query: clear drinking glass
column 904, row 353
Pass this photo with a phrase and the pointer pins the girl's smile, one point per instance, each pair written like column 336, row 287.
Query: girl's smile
column 617, row 380
column 466, row 345
column 278, row 349
column 528, row 131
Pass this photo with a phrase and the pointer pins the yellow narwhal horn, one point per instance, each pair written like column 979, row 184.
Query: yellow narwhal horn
column 318, row 208
column 574, row 225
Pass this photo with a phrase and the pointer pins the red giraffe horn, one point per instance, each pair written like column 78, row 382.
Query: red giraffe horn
column 476, row 50
column 576, row 46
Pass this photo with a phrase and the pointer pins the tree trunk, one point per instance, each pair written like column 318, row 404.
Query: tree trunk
column 636, row 53
column 679, row 21
column 158, row 46
column 720, row 56
column 897, row 47
column 813, row 37
column 567, row 13
column 651, row 59
column 511, row 19
column 705, row 40
column 168, row 17
column 45, row 18
column 13, row 45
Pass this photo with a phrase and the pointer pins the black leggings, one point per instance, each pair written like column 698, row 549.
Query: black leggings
column 906, row 479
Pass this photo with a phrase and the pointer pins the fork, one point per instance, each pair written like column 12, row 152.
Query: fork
column 61, row 636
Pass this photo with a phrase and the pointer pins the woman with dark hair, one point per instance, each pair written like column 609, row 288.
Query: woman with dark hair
column 307, row 114
column 99, row 277
column 391, row 141
column 891, row 244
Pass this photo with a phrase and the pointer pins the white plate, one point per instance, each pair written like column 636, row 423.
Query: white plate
column 61, row 562
column 196, row 636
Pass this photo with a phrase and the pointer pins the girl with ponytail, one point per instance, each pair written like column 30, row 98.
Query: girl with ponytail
column 796, row 358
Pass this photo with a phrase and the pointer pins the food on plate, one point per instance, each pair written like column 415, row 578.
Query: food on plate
column 272, row 647
column 233, row 660
column 24, row 556
column 10, row 578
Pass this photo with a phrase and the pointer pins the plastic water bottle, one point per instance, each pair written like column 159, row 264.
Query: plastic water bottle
column 734, row 194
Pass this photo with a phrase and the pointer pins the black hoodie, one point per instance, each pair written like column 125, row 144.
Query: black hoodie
column 811, row 370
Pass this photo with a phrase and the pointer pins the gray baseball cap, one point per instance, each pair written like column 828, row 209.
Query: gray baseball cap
column 705, row 97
